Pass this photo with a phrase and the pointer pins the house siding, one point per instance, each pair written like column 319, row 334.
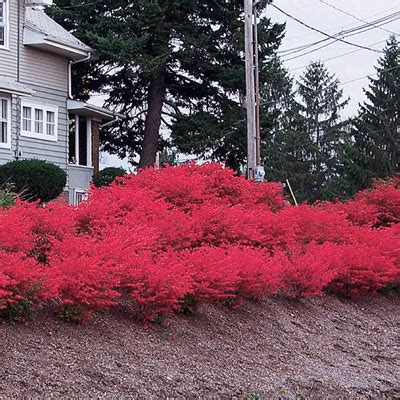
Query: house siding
column 46, row 74
column 55, row 152
column 48, row 69
column 36, row 66
column 8, row 59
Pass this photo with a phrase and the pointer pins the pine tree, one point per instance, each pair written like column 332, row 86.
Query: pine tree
column 171, row 63
column 282, row 145
column 319, row 133
column 375, row 150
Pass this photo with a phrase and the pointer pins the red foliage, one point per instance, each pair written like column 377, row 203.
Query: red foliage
column 361, row 268
column 168, row 239
column 232, row 272
column 375, row 207
column 308, row 273
column 22, row 285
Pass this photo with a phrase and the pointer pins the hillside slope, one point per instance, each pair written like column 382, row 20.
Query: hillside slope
column 323, row 348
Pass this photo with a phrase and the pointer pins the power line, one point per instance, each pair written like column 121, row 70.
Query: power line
column 370, row 76
column 322, row 32
column 349, row 32
column 345, row 26
column 356, row 31
column 355, row 17
column 339, row 56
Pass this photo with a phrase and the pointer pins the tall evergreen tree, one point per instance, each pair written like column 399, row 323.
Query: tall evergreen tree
column 176, row 63
column 317, row 135
column 375, row 150
column 282, row 144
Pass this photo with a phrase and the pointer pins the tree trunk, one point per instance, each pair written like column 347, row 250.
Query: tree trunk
column 155, row 102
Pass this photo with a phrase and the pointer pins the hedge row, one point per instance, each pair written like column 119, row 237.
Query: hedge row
column 167, row 240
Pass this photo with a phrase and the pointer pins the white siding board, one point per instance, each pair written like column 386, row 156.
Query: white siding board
column 48, row 69
column 8, row 58
column 55, row 152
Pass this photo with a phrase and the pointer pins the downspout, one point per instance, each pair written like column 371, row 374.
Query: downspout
column 18, row 98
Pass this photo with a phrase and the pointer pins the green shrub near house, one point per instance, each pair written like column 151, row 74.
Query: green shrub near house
column 7, row 197
column 107, row 176
column 34, row 179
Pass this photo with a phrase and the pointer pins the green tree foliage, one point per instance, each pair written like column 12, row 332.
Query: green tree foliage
column 107, row 176
column 302, row 131
column 375, row 149
column 282, row 144
column 176, row 64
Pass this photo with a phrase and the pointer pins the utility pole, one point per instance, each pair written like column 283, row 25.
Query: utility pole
column 250, row 90
column 257, row 87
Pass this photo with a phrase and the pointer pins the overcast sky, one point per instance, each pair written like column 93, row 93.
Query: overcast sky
column 319, row 15
column 325, row 18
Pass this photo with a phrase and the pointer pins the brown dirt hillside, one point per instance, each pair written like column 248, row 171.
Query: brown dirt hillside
column 321, row 348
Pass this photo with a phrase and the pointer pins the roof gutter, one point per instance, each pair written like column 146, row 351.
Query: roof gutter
column 71, row 63
column 112, row 122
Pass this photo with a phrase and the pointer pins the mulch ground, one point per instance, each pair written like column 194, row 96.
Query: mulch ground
column 321, row 348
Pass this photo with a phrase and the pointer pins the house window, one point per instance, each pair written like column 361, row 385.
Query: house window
column 80, row 195
column 39, row 122
column 80, row 140
column 51, row 123
column 26, row 119
column 5, row 123
column 3, row 23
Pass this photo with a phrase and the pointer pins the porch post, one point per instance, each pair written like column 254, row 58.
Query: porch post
column 96, row 145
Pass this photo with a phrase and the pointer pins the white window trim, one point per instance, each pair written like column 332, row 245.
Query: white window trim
column 7, row 145
column 6, row 45
column 79, row 191
column 89, row 143
column 32, row 134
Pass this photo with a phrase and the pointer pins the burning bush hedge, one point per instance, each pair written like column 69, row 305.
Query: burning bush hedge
column 167, row 240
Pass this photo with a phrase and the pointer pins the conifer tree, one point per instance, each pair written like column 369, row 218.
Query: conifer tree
column 282, row 144
column 319, row 133
column 172, row 63
column 375, row 150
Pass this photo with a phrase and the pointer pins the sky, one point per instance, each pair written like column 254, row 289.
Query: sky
column 329, row 20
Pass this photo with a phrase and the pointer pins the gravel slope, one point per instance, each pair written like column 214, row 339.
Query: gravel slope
column 321, row 348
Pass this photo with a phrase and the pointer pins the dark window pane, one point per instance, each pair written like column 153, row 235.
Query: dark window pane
column 72, row 140
column 83, row 150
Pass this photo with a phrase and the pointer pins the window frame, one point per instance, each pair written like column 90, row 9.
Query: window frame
column 89, row 156
column 7, row 144
column 45, row 108
column 6, row 24
column 80, row 192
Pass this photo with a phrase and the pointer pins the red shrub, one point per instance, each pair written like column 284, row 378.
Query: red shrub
column 191, row 185
column 22, row 285
column 168, row 239
column 84, row 282
column 360, row 269
column 307, row 274
column 375, row 207
column 232, row 273
column 154, row 287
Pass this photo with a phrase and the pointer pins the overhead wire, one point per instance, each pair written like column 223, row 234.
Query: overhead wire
column 355, row 17
column 335, row 38
column 338, row 56
column 344, row 26
column 349, row 32
column 296, row 55
column 369, row 76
